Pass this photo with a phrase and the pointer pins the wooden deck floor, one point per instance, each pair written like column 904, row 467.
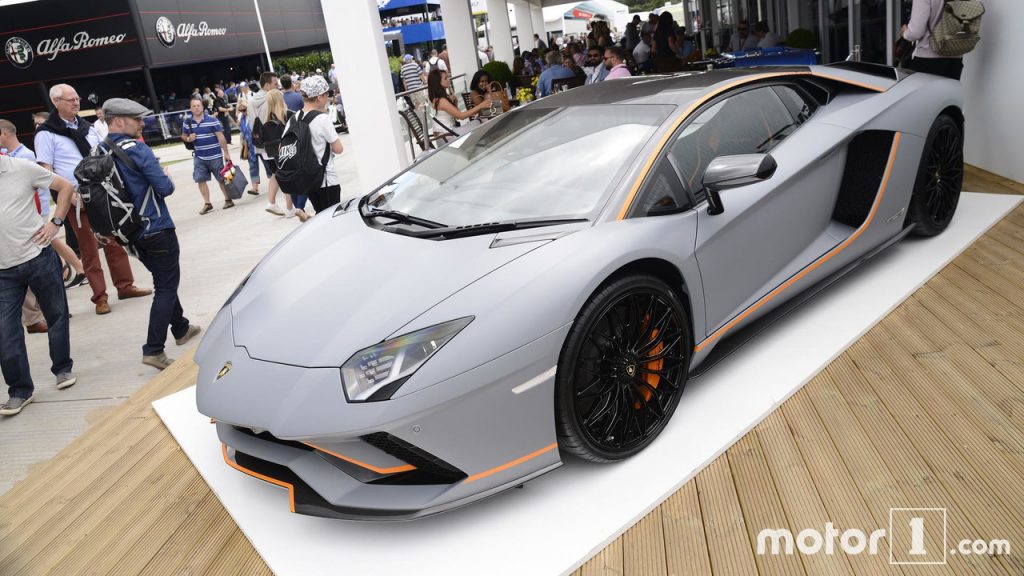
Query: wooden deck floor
column 927, row 410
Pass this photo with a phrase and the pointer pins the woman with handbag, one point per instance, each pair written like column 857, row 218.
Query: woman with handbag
column 483, row 88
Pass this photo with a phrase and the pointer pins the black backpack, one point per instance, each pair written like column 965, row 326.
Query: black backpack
column 298, row 169
column 109, row 206
column 267, row 135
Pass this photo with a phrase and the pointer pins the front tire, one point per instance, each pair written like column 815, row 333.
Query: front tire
column 622, row 369
column 939, row 179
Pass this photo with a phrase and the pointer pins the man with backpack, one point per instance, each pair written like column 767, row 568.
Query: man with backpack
column 305, row 164
column 27, row 261
column 944, row 31
column 435, row 62
column 146, row 184
column 60, row 144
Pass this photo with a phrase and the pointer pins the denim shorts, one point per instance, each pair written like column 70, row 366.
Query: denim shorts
column 203, row 169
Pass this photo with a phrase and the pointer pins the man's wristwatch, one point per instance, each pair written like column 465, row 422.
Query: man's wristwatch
column 57, row 221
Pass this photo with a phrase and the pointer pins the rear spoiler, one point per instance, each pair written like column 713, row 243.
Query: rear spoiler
column 879, row 70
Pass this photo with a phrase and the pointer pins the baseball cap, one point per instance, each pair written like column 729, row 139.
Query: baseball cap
column 408, row 57
column 125, row 107
column 314, row 86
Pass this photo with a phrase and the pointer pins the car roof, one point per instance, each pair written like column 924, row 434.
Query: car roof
column 655, row 89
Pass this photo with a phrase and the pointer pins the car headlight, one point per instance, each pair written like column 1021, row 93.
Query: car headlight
column 375, row 373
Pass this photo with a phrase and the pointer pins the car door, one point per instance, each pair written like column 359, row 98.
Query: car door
column 770, row 229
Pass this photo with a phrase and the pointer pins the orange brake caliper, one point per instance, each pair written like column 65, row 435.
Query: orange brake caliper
column 654, row 366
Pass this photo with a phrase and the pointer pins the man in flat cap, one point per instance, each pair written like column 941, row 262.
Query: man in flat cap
column 157, row 243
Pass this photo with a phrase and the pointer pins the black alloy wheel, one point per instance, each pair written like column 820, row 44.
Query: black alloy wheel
column 622, row 369
column 939, row 179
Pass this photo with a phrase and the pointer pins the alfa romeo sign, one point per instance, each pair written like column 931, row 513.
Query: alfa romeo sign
column 19, row 52
column 165, row 31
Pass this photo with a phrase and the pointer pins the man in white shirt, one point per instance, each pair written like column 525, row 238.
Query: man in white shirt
column 766, row 38
column 100, row 124
column 28, row 261
column 315, row 98
column 642, row 52
column 742, row 39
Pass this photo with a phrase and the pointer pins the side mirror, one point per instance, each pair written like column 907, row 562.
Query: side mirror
column 733, row 171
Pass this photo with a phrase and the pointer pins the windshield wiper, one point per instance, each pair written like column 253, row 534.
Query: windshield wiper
column 397, row 216
column 490, row 228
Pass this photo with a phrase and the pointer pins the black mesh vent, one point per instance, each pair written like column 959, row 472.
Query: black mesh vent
column 425, row 462
column 866, row 159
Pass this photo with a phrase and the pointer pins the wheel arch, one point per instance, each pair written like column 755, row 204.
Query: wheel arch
column 665, row 271
column 956, row 114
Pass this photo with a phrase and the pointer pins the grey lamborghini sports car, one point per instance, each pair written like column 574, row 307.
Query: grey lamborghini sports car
column 544, row 286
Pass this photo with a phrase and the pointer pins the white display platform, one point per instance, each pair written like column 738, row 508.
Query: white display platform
column 558, row 521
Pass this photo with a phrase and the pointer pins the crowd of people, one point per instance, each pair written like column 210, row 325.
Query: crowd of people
column 43, row 194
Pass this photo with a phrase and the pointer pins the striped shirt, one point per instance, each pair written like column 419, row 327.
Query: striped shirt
column 411, row 75
column 207, row 145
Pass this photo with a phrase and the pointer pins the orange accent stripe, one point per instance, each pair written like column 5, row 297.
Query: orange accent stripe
column 515, row 462
column 746, row 80
column 851, row 82
column 824, row 258
column 281, row 483
column 371, row 467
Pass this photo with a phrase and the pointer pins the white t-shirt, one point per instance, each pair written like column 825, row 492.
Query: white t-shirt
column 642, row 52
column 435, row 61
column 19, row 219
column 321, row 130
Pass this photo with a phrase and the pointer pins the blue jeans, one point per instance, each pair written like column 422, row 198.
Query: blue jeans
column 254, row 166
column 159, row 253
column 42, row 275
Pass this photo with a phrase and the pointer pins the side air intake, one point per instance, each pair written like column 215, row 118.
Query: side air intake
column 866, row 158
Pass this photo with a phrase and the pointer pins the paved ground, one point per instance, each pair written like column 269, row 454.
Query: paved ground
column 217, row 250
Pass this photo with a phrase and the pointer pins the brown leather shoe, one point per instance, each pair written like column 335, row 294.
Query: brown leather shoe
column 133, row 292
column 102, row 307
column 37, row 328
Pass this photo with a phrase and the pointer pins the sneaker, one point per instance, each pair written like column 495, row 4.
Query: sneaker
column 275, row 209
column 192, row 332
column 14, row 405
column 290, row 213
column 228, row 204
column 158, row 361
column 66, row 380
column 253, row 192
column 78, row 280
column 303, row 216
column 207, row 208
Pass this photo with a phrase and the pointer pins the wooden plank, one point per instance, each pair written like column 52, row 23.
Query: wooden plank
column 914, row 477
column 760, row 503
column 935, row 437
column 643, row 547
column 979, row 180
column 237, row 557
column 797, row 492
column 23, row 542
column 607, row 562
column 686, row 548
column 845, row 478
column 159, row 474
column 729, row 547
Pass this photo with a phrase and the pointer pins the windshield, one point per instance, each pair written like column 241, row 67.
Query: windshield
column 529, row 164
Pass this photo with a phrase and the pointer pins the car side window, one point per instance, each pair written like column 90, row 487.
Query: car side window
column 663, row 192
column 751, row 122
column 800, row 107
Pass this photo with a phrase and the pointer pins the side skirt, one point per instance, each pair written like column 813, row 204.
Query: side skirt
column 735, row 341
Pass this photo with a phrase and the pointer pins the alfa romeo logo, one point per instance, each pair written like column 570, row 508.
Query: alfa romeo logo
column 165, row 31
column 19, row 52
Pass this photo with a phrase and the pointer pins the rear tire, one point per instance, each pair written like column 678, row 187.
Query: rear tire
column 622, row 369
column 939, row 179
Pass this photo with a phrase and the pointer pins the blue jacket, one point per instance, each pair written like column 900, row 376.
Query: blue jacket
column 138, row 183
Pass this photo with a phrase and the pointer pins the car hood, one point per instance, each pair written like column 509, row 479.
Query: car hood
column 338, row 286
